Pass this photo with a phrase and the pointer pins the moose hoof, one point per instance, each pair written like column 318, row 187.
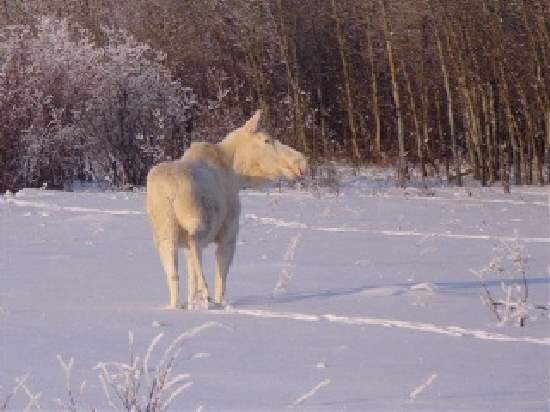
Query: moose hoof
column 217, row 305
column 200, row 302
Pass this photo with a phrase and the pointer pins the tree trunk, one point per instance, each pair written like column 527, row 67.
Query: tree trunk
column 374, row 91
column 487, row 167
column 450, row 112
column 495, row 150
column 547, row 135
column 402, row 162
column 442, row 139
column 347, row 84
column 292, row 80
column 505, row 174
column 419, row 144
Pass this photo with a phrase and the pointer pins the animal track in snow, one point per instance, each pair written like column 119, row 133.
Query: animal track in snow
column 57, row 208
column 447, row 330
column 399, row 233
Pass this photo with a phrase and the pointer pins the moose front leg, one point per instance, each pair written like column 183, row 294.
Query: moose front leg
column 224, row 257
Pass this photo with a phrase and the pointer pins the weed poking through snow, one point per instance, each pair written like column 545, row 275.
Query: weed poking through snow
column 511, row 305
column 421, row 388
column 131, row 386
column 310, row 393
column 32, row 398
column 287, row 272
column 71, row 404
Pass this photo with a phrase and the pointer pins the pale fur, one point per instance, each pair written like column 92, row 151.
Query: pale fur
column 194, row 201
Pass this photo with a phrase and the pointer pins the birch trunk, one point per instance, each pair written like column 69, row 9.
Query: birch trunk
column 374, row 91
column 345, row 72
column 450, row 112
column 402, row 162
column 418, row 133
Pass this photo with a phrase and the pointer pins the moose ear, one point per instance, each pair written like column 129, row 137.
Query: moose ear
column 252, row 124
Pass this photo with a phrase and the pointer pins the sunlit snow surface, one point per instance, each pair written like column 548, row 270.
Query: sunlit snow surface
column 358, row 300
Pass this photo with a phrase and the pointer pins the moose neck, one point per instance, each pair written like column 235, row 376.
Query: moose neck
column 228, row 151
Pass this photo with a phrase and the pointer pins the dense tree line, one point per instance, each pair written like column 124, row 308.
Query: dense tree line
column 447, row 87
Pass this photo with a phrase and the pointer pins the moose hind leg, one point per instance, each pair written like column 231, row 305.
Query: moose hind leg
column 197, row 288
column 191, row 279
column 168, row 252
column 224, row 256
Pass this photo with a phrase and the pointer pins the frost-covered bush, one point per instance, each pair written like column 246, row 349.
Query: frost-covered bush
column 74, row 110
column 510, row 303
column 147, row 383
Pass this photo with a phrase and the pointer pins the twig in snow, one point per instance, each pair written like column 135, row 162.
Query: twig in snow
column 519, row 258
column 33, row 397
column 419, row 389
column 71, row 405
column 18, row 384
column 286, row 274
column 488, row 300
column 150, row 349
column 309, row 394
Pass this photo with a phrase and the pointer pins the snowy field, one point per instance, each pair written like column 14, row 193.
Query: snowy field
column 359, row 300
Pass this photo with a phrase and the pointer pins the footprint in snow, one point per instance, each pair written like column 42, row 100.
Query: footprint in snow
column 200, row 355
column 422, row 287
column 157, row 324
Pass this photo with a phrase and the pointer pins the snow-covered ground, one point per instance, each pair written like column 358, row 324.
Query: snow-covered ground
column 363, row 300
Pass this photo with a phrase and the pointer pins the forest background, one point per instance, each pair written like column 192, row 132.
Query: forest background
column 100, row 90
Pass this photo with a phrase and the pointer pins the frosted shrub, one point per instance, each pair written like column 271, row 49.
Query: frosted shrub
column 133, row 387
column 80, row 111
column 509, row 303
column 325, row 176
column 142, row 111
column 136, row 385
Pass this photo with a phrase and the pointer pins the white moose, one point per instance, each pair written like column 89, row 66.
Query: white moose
column 194, row 201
